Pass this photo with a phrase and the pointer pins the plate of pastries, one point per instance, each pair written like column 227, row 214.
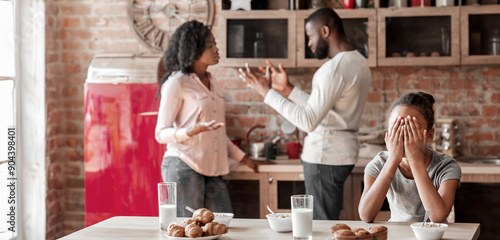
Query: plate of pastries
column 341, row 231
column 200, row 226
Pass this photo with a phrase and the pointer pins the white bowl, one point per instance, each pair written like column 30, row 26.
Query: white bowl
column 433, row 232
column 224, row 218
column 280, row 222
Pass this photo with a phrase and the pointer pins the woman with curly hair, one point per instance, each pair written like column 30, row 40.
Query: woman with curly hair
column 191, row 122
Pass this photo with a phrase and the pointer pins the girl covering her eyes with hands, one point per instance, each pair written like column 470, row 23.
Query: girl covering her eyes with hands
column 412, row 176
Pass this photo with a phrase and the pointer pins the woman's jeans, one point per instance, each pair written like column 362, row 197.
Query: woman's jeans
column 195, row 190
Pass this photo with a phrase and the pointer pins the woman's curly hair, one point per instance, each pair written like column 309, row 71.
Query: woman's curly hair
column 185, row 47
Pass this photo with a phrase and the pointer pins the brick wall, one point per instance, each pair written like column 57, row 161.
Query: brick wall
column 76, row 30
column 469, row 94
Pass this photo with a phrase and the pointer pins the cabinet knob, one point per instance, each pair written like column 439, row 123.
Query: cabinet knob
column 271, row 178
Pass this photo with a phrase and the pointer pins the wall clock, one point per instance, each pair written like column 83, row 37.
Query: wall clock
column 154, row 21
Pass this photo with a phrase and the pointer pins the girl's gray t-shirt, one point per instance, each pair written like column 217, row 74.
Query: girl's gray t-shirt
column 403, row 198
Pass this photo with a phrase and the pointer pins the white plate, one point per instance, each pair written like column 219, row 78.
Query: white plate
column 198, row 238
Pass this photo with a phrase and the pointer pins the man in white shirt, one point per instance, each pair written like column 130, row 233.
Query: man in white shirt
column 330, row 114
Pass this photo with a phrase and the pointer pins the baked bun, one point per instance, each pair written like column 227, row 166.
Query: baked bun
column 339, row 226
column 189, row 221
column 214, row 228
column 378, row 232
column 203, row 215
column 363, row 234
column 175, row 230
column 193, row 231
column 344, row 234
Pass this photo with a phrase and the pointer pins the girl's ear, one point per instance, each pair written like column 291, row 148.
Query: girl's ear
column 430, row 136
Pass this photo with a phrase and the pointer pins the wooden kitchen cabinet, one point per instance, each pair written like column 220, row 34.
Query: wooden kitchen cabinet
column 268, row 188
column 253, row 36
column 480, row 34
column 259, row 209
column 409, row 36
column 361, row 31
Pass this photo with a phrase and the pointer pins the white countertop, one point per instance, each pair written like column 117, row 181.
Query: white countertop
column 147, row 228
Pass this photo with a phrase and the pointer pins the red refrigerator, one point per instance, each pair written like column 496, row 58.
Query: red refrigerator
column 122, row 157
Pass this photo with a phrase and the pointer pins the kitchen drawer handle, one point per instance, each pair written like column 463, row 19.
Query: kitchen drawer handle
column 271, row 178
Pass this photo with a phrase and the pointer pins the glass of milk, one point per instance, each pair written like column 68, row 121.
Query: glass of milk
column 302, row 216
column 167, row 200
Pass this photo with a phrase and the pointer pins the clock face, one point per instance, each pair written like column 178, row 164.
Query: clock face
column 154, row 21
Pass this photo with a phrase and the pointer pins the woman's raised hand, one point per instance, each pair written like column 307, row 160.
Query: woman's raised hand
column 415, row 140
column 200, row 126
column 394, row 139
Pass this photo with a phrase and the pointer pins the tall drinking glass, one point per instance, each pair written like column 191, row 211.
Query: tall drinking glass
column 302, row 217
column 167, row 200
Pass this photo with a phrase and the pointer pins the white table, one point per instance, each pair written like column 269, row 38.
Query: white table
column 145, row 228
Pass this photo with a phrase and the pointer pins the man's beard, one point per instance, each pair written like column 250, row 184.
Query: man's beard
column 321, row 49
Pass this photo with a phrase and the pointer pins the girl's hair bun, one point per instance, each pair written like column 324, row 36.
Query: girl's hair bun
column 427, row 96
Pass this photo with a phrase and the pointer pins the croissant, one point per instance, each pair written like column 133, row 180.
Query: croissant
column 189, row 221
column 214, row 228
column 193, row 231
column 356, row 230
column 203, row 215
column 175, row 230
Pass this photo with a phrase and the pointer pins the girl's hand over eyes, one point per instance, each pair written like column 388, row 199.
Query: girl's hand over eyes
column 394, row 139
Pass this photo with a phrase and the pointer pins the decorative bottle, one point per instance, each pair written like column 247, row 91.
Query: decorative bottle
column 259, row 49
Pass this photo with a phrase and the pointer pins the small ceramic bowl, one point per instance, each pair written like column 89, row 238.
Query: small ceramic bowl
column 430, row 231
column 224, row 218
column 280, row 222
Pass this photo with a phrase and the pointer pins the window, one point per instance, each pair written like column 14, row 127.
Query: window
column 7, row 76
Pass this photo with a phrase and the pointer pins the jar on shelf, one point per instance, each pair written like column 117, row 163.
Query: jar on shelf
column 259, row 4
column 495, row 43
column 398, row 3
column 444, row 3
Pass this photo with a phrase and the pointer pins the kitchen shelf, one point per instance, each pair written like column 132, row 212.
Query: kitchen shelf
column 241, row 29
column 361, row 30
column 478, row 25
column 418, row 31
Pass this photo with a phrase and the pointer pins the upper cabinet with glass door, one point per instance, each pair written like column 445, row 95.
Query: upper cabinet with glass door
column 418, row 36
column 480, row 34
column 360, row 29
column 255, row 30
column 252, row 37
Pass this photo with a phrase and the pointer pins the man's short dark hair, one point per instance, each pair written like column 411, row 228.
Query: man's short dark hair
column 329, row 18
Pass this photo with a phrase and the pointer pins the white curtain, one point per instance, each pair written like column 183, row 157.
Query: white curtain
column 30, row 118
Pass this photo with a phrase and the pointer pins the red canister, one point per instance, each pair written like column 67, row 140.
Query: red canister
column 349, row 4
